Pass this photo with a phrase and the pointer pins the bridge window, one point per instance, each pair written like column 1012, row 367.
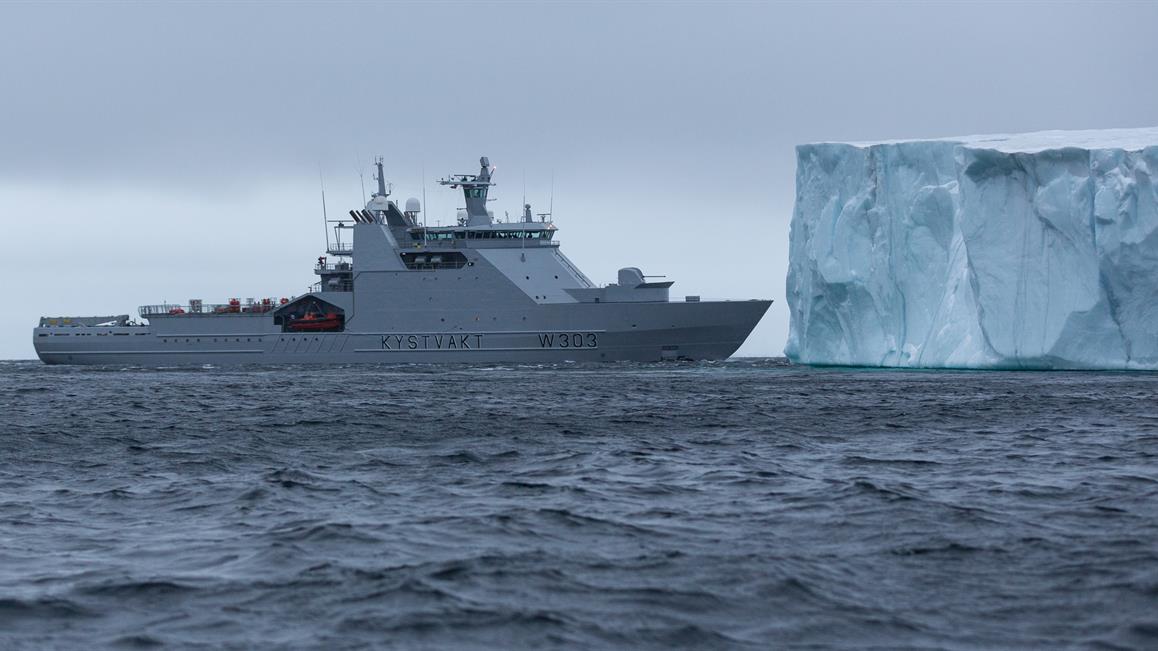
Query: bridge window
column 506, row 235
column 418, row 235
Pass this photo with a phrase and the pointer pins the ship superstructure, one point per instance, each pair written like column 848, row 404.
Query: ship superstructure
column 392, row 289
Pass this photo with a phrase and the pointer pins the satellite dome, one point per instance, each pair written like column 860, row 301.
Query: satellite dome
column 378, row 202
column 413, row 205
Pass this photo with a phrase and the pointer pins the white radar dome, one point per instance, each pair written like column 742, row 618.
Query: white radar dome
column 413, row 205
column 378, row 202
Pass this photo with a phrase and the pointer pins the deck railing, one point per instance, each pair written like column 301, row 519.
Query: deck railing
column 340, row 286
column 173, row 309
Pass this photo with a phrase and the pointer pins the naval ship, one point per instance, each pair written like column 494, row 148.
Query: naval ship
column 391, row 289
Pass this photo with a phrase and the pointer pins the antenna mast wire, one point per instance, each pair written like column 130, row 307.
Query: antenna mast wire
column 362, row 179
column 325, row 217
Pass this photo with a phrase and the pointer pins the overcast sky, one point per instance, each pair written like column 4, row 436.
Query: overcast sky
column 164, row 152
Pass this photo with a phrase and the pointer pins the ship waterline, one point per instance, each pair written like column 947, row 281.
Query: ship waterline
column 395, row 291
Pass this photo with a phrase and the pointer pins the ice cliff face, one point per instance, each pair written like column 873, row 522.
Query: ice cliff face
column 1027, row 251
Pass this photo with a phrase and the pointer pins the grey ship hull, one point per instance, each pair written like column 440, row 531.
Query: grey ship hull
column 582, row 332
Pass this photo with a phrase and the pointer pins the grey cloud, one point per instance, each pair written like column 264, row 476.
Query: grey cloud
column 676, row 120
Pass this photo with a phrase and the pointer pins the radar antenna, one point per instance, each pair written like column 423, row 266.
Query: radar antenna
column 474, row 189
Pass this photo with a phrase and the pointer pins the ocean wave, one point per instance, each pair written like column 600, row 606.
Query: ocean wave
column 741, row 504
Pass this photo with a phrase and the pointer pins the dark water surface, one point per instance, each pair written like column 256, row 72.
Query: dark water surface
column 746, row 504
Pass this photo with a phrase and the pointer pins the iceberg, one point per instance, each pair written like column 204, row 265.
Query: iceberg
column 1034, row 251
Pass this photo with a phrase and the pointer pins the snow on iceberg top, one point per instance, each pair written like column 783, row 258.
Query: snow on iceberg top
column 1128, row 139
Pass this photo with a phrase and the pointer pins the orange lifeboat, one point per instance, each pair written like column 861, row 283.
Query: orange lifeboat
column 313, row 322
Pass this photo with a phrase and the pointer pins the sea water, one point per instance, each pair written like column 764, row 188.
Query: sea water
column 743, row 504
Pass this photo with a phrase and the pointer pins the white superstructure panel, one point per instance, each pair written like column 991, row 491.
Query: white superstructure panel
column 538, row 272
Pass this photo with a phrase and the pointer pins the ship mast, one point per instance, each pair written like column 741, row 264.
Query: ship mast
column 382, row 191
column 474, row 190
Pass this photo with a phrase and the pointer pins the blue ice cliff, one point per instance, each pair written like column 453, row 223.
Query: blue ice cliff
column 1036, row 250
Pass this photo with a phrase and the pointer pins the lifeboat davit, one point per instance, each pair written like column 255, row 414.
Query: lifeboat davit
column 315, row 323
